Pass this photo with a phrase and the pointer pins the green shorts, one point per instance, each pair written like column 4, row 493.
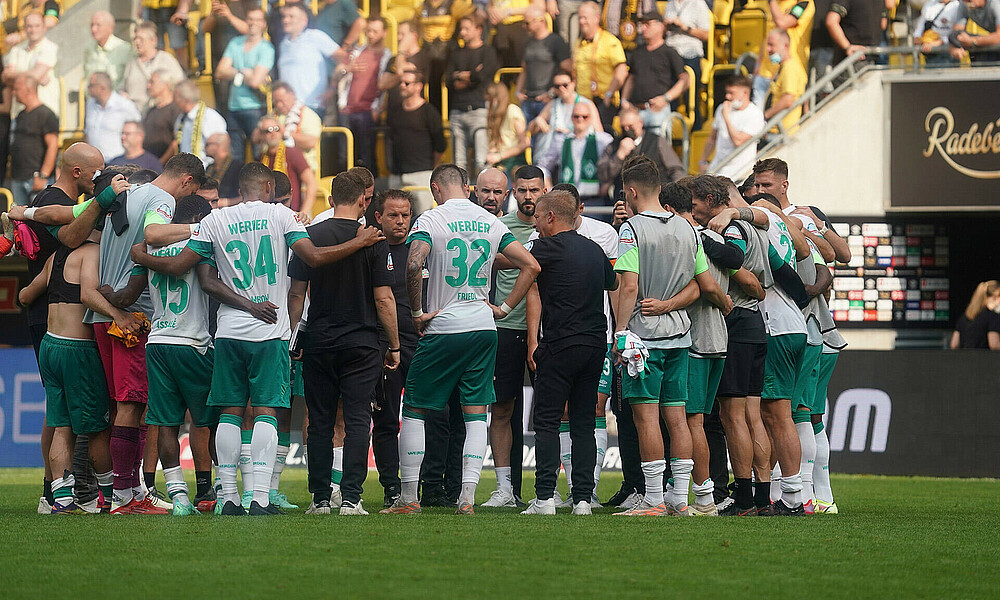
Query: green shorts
column 781, row 367
column 666, row 380
column 604, row 385
column 255, row 371
column 76, row 392
column 297, row 387
column 805, row 382
column 445, row 361
column 180, row 379
column 704, row 375
column 824, row 371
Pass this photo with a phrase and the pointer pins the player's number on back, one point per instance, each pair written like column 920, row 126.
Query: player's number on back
column 468, row 273
column 263, row 266
column 165, row 284
column 787, row 248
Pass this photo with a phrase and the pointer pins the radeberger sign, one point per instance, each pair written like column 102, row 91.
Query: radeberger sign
column 944, row 145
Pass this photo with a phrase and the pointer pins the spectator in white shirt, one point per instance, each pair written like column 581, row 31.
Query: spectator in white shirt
column 736, row 121
column 35, row 56
column 106, row 53
column 148, row 59
column 197, row 122
column 106, row 114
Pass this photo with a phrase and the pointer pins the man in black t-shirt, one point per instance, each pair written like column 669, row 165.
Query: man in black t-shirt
column 545, row 53
column 35, row 140
column 341, row 355
column 393, row 212
column 656, row 76
column 570, row 355
column 854, row 25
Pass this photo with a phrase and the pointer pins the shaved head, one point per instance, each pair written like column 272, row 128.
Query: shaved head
column 492, row 176
column 491, row 187
column 82, row 154
column 80, row 162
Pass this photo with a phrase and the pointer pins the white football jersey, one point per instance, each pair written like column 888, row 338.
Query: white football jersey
column 251, row 243
column 782, row 316
column 180, row 307
column 464, row 240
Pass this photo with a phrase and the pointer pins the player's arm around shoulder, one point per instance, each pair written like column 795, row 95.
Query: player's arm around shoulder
column 316, row 256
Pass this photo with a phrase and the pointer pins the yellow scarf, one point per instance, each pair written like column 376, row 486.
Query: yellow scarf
column 197, row 144
column 278, row 163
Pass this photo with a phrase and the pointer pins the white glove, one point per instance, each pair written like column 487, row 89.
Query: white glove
column 633, row 352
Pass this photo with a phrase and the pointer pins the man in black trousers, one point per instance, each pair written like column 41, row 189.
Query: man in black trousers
column 570, row 355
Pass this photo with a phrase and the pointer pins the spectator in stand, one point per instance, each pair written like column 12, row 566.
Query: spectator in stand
column 301, row 124
column 360, row 100
column 688, row 24
column 470, row 70
column 14, row 27
column 656, row 77
column 35, row 56
column 417, row 139
column 985, row 14
column 159, row 13
column 290, row 161
column 438, row 20
column 854, row 25
column 341, row 20
column 934, row 27
column 133, row 135
column 106, row 53
column 162, row 114
column 621, row 18
column 789, row 81
column 410, row 56
column 544, row 54
column 636, row 141
column 795, row 17
column 575, row 161
column 224, row 170
column 600, row 63
column 36, row 140
column 225, row 20
column 555, row 121
column 978, row 328
column 509, row 18
column 303, row 56
column 821, row 48
column 563, row 11
column 106, row 113
column 736, row 121
column 196, row 123
column 147, row 60
column 247, row 61
column 506, row 130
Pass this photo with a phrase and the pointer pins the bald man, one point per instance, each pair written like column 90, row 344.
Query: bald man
column 105, row 52
column 491, row 190
column 35, row 139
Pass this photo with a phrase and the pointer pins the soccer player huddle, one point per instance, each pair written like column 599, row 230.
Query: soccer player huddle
column 702, row 299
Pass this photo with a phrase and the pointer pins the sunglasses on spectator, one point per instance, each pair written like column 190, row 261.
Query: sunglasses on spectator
column 271, row 129
column 564, row 85
column 584, row 117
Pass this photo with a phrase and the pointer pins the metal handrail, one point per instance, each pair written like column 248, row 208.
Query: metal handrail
column 812, row 97
column 8, row 198
column 348, row 134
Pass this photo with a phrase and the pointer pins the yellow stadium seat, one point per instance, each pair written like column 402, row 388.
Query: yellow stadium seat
column 698, row 141
column 748, row 29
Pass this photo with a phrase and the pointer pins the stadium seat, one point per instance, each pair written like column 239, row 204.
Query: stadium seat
column 697, row 146
column 722, row 11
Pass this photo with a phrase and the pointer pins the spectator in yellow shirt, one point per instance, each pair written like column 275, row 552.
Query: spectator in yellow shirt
column 788, row 84
column 600, row 63
column 796, row 18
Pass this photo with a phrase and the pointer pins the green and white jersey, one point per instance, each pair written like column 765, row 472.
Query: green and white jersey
column 250, row 243
column 180, row 307
column 464, row 240
column 781, row 315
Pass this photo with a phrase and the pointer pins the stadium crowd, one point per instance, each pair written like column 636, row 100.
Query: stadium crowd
column 168, row 299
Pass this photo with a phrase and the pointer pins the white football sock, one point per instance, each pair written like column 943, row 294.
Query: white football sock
column 411, row 453
column 807, row 440
column 338, row 468
column 791, row 490
column 503, row 480
column 263, row 452
column 653, row 472
column 62, row 490
column 704, row 492
column 776, row 483
column 246, row 465
column 601, row 435
column 681, row 468
column 566, row 454
column 473, row 453
column 279, row 460
column 177, row 489
column 821, row 469
column 227, row 450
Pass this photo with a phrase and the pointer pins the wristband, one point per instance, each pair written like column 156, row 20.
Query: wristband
column 29, row 213
column 416, row 314
column 107, row 197
column 393, row 349
column 505, row 308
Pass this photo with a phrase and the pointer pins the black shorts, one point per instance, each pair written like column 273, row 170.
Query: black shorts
column 743, row 374
column 512, row 359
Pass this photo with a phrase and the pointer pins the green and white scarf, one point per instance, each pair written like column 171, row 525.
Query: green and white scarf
column 589, row 185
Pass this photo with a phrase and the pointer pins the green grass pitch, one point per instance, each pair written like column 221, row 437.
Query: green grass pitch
column 895, row 537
